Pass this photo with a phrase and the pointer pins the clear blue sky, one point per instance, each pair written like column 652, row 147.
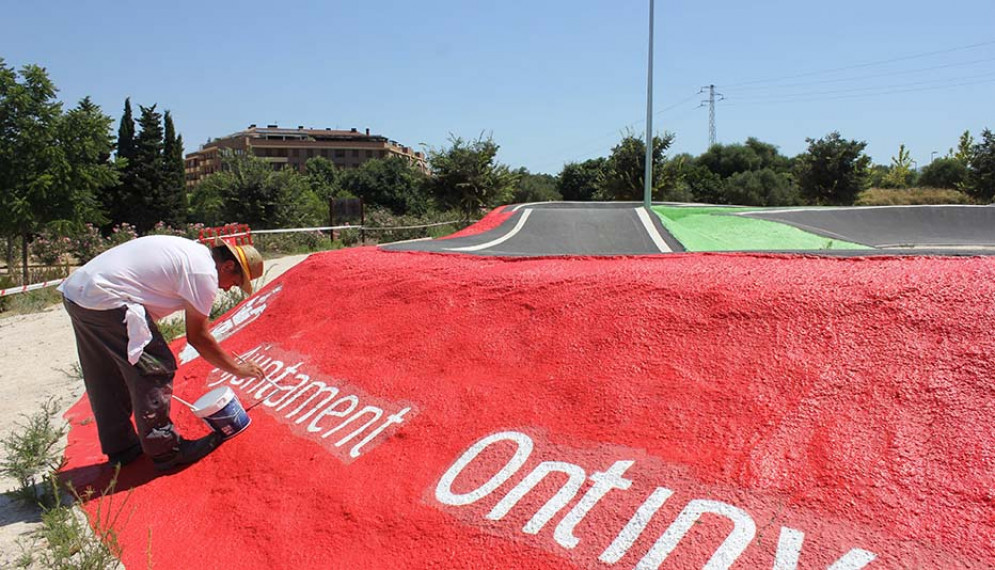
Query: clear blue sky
column 553, row 81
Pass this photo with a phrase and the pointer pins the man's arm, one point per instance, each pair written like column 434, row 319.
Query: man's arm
column 200, row 338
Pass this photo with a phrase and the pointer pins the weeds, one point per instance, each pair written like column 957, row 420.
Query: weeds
column 31, row 455
column 226, row 301
column 172, row 328
column 72, row 544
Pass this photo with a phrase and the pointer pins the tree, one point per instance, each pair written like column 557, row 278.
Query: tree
column 174, row 190
column 900, row 174
column 467, row 177
column 726, row 160
column 248, row 190
column 832, row 171
column 981, row 168
column 761, row 188
column 86, row 171
column 534, row 188
column 392, row 182
column 944, row 173
column 50, row 163
column 578, row 181
column 625, row 169
column 964, row 147
column 149, row 202
column 119, row 200
column 323, row 177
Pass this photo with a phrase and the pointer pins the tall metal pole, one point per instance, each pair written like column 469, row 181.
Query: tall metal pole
column 648, row 175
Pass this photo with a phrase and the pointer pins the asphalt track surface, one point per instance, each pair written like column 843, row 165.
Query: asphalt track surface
column 701, row 410
column 934, row 227
column 558, row 228
column 606, row 229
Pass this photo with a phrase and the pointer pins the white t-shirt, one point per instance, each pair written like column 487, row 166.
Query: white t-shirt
column 154, row 273
column 159, row 273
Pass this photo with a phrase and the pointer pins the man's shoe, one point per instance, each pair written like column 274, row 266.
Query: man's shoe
column 189, row 451
column 125, row 457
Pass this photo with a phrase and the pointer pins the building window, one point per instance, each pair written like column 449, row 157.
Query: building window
column 339, row 153
column 369, row 154
column 383, row 153
column 355, row 153
column 295, row 152
column 310, row 153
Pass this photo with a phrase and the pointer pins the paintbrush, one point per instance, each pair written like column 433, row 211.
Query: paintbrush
column 266, row 378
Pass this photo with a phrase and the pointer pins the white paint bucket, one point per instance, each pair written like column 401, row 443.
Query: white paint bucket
column 222, row 411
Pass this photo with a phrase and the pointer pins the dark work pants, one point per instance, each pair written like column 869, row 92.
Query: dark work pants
column 117, row 388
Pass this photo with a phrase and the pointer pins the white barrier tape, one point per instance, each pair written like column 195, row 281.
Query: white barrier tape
column 369, row 228
column 32, row 287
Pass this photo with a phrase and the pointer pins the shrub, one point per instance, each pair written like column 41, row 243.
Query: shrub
column 291, row 243
column 31, row 454
column 121, row 234
column 50, row 248
column 88, row 244
column 911, row 197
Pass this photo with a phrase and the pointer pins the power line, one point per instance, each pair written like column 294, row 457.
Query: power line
column 891, row 88
column 862, row 65
column 781, row 101
column 870, row 76
column 614, row 134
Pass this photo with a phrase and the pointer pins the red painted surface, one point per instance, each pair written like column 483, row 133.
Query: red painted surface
column 849, row 399
column 493, row 219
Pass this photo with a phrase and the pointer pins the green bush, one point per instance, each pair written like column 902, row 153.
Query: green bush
column 291, row 243
column 911, row 197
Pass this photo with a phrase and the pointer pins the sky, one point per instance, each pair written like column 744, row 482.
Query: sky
column 551, row 81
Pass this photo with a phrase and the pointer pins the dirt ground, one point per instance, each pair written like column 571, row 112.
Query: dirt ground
column 38, row 362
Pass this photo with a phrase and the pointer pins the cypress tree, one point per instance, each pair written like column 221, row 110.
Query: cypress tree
column 151, row 202
column 126, row 133
column 174, row 177
column 119, row 201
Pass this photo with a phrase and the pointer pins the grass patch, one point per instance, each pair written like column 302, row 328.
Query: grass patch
column 30, row 302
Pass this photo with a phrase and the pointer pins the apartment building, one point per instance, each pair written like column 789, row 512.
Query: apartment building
column 291, row 148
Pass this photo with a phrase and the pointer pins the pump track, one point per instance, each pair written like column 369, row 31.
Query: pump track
column 596, row 386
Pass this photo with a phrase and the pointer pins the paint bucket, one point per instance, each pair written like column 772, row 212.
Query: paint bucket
column 222, row 411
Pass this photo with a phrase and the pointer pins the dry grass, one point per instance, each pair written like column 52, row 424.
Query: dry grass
column 911, row 197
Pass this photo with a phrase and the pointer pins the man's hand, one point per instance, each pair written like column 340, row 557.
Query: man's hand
column 250, row 369
column 201, row 339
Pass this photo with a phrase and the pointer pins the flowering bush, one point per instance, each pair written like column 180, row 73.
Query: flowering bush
column 120, row 234
column 161, row 229
column 88, row 244
column 51, row 249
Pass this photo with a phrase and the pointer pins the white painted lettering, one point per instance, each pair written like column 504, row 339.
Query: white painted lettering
column 444, row 490
column 603, row 483
column 625, row 539
column 392, row 419
column 287, row 391
column 332, row 410
column 789, row 549
column 320, row 387
column 742, row 533
column 377, row 413
column 576, row 477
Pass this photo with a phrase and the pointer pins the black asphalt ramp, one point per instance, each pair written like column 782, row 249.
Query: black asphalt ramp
column 895, row 226
column 563, row 229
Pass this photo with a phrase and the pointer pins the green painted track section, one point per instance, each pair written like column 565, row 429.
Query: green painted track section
column 712, row 229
